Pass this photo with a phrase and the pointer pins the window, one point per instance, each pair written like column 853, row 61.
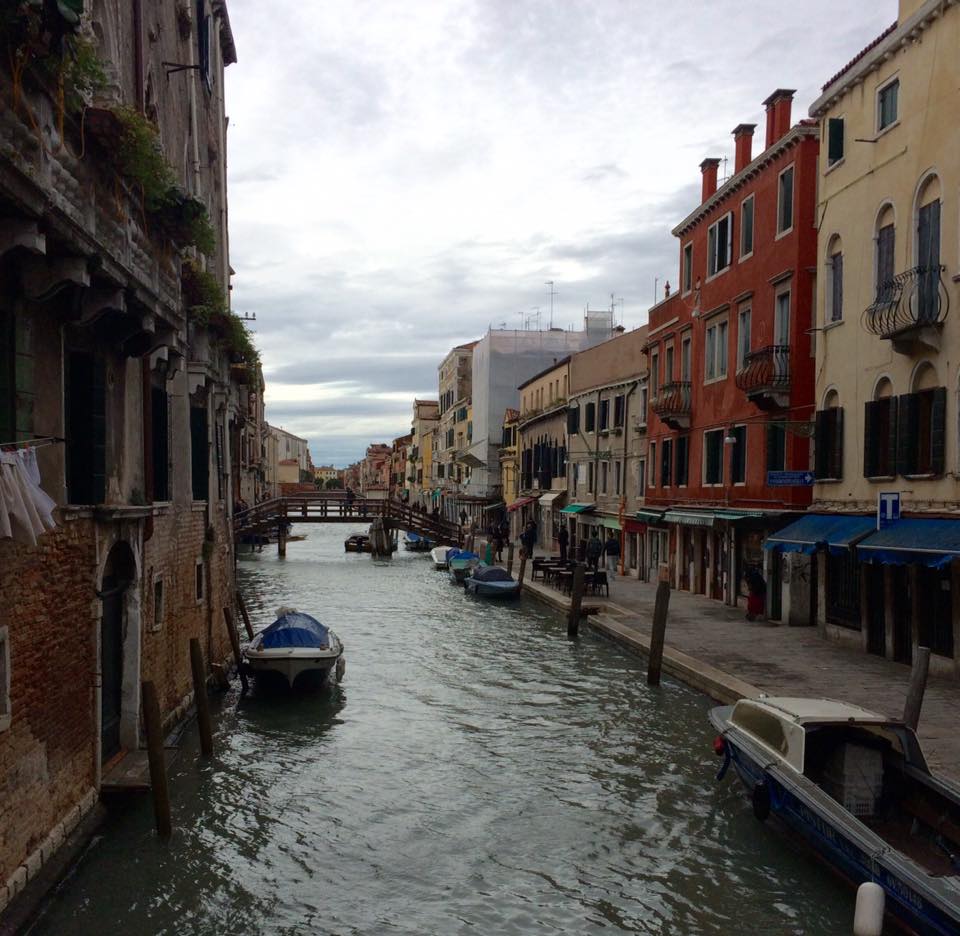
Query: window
column 738, row 455
column 668, row 364
column 4, row 678
column 928, row 260
column 590, row 417
column 654, row 375
column 652, row 461
column 743, row 337
column 199, row 453
column 934, row 607
column 886, row 242
column 590, row 478
column 834, row 140
column 604, row 415
column 687, row 268
column 616, row 477
column 641, row 477
column 644, row 403
column 776, row 447
column 198, row 580
column 843, row 589
column 203, row 44
column 713, row 457
column 887, row 104
column 685, row 358
column 157, row 603
column 828, row 444
column 921, row 438
column 682, row 465
column 604, row 476
column 573, row 419
column 781, row 320
column 719, row 245
column 835, row 297
column 785, row 201
column 666, row 462
column 574, row 477
column 618, row 410
column 218, row 457
column 715, row 360
column 746, row 227
column 17, row 376
column 86, row 429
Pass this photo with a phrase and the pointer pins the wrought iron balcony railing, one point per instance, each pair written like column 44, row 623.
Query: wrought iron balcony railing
column 916, row 298
column 766, row 372
column 672, row 403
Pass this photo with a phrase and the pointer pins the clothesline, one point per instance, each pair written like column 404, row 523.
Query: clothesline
column 37, row 442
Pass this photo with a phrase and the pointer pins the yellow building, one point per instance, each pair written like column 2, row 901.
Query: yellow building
column 509, row 462
column 455, row 386
column 420, row 461
column 888, row 342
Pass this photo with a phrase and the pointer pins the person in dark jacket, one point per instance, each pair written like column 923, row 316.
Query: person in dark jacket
column 563, row 537
column 594, row 551
column 528, row 539
column 611, row 549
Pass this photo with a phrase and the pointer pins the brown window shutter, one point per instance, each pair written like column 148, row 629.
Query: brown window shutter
column 869, row 439
column 836, row 448
column 938, row 425
column 907, row 434
column 821, row 437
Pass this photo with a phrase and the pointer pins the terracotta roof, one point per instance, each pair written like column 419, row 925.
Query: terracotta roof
column 860, row 55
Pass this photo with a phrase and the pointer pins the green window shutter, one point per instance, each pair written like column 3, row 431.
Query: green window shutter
column 835, row 139
column 907, row 434
column 836, row 448
column 938, row 425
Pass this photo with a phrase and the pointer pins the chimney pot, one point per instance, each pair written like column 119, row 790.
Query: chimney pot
column 666, row 290
column 778, row 114
column 743, row 141
column 708, row 169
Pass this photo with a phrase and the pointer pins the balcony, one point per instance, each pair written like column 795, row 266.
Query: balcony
column 910, row 309
column 672, row 404
column 765, row 377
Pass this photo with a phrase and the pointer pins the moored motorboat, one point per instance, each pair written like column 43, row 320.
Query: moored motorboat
column 357, row 542
column 295, row 646
column 439, row 556
column 855, row 786
column 492, row 582
column 460, row 563
column 414, row 542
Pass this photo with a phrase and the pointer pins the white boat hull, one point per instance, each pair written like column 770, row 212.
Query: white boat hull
column 292, row 662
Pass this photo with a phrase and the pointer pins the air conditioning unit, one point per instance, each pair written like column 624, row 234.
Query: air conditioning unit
column 617, row 430
column 639, row 424
column 604, row 432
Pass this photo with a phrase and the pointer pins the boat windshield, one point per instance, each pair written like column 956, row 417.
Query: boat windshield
column 784, row 738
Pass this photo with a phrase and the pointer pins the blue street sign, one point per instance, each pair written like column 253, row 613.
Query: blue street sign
column 790, row 478
column 888, row 508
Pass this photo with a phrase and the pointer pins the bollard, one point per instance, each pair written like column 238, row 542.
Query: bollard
column 509, row 558
column 235, row 645
column 282, row 540
column 242, row 605
column 918, row 685
column 868, row 916
column 153, row 728
column 200, row 697
column 488, row 554
column 576, row 600
column 657, row 633
column 523, row 568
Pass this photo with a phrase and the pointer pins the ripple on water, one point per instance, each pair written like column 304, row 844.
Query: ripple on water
column 475, row 773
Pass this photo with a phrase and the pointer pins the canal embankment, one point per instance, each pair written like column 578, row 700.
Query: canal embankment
column 713, row 648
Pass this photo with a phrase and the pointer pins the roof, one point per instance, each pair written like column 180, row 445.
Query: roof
column 860, row 55
column 227, row 46
column 804, row 711
column 511, row 415
column 545, row 371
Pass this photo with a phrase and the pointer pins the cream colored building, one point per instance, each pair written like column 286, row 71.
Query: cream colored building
column 888, row 337
column 420, row 463
column 455, row 387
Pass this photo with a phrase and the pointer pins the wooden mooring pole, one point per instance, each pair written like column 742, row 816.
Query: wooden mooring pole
column 235, row 645
column 918, row 685
column 509, row 558
column 523, row 568
column 153, row 727
column 576, row 600
column 657, row 633
column 242, row 605
column 282, row 539
column 200, row 697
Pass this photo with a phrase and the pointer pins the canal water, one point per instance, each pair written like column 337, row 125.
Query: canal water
column 476, row 772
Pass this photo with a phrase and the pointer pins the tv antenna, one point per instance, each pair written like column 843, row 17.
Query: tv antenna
column 552, row 293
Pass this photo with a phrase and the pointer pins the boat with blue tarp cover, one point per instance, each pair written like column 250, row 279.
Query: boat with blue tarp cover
column 297, row 647
column 414, row 542
column 460, row 562
column 492, row 582
column 855, row 787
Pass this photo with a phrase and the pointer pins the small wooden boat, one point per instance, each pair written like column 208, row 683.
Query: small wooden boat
column 357, row 542
column 296, row 647
column 414, row 542
column 855, row 786
column 460, row 563
column 492, row 582
column 439, row 556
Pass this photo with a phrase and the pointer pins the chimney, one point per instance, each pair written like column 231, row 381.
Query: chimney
column 666, row 290
column 708, row 169
column 778, row 114
column 743, row 141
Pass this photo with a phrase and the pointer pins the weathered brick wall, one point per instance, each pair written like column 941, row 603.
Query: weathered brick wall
column 47, row 756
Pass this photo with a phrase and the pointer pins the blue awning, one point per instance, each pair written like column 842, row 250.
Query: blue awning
column 836, row 531
column 931, row 543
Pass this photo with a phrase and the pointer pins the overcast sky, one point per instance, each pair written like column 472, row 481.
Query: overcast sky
column 406, row 173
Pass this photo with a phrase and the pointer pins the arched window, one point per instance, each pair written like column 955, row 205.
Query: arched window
column 922, row 422
column 880, row 432
column 928, row 249
column 834, row 280
column 884, row 256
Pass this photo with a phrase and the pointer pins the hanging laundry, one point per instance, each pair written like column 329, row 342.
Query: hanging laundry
column 26, row 510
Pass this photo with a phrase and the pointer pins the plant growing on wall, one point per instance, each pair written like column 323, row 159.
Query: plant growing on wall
column 204, row 299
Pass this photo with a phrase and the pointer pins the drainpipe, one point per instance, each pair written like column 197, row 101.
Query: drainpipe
column 623, row 471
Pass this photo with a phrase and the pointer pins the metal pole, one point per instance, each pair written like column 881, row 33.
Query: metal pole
column 200, row 697
column 918, row 685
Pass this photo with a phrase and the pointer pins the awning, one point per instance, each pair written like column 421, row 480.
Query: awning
column 520, row 502
column 494, row 506
column 649, row 515
column 838, row 531
column 932, row 543
column 633, row 526
column 578, row 508
column 700, row 518
column 610, row 523
column 729, row 513
column 548, row 499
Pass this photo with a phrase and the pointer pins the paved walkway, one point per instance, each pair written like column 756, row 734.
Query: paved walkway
column 726, row 655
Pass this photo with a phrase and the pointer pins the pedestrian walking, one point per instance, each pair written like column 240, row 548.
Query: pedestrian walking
column 611, row 549
column 497, row 540
column 351, row 497
column 563, row 537
column 594, row 551
column 756, row 593
column 528, row 539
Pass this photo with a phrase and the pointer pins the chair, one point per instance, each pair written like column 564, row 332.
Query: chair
column 600, row 580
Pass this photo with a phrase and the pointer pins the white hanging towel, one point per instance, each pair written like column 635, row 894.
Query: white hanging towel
column 44, row 503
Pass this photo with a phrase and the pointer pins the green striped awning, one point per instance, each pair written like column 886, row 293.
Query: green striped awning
column 649, row 515
column 701, row 518
column 577, row 508
column 610, row 523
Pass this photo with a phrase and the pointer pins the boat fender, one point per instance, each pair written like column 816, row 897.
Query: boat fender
column 725, row 766
column 761, row 800
column 341, row 668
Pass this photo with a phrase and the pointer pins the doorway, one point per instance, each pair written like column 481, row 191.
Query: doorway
column 118, row 574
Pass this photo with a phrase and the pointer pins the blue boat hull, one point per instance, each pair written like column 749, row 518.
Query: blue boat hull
column 493, row 589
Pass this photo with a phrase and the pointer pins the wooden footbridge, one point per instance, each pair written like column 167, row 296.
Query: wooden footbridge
column 274, row 517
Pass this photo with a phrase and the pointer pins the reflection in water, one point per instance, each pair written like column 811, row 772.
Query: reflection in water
column 475, row 773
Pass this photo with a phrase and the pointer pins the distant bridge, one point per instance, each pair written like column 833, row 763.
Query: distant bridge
column 267, row 517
